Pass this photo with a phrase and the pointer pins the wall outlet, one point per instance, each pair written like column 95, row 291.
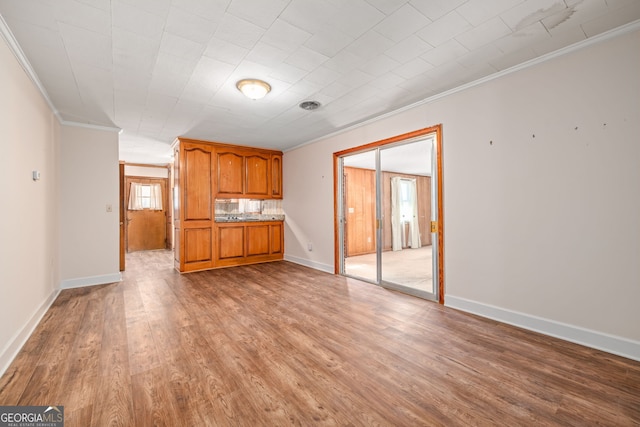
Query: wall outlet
column 309, row 247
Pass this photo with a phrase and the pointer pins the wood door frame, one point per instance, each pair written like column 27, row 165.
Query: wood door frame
column 437, row 130
column 166, row 200
column 122, row 218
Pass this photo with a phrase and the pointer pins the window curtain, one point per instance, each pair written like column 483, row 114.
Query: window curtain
column 396, row 214
column 155, row 201
column 135, row 197
column 145, row 196
column 397, row 223
column 414, row 227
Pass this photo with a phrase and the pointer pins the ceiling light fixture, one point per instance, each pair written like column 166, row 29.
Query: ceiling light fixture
column 253, row 88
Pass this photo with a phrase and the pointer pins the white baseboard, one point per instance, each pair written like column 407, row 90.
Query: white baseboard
column 15, row 345
column 308, row 263
column 611, row 344
column 90, row 281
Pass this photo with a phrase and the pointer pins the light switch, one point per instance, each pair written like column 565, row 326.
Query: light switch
column 36, row 175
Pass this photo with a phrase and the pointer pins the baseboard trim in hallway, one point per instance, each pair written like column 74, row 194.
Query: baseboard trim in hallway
column 15, row 345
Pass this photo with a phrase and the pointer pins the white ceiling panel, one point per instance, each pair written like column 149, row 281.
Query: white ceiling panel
column 408, row 49
column 413, row 68
column 224, row 51
column 238, row 31
column 355, row 17
column 530, row 12
column 306, row 59
column 328, row 41
column 387, row 6
column 478, row 11
column 163, row 68
column 370, row 45
column 436, row 9
column 258, row 12
column 190, row 26
column 577, row 14
column 483, row 34
column 402, row 23
column 155, row 7
column 287, row 72
column 444, row 29
column 136, row 20
column 87, row 47
column 207, row 9
column 533, row 34
column 84, row 16
column 309, row 15
column 444, row 53
column 380, row 65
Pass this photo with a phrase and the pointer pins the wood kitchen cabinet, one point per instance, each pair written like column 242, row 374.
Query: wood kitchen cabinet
column 205, row 171
column 239, row 243
column 193, row 206
column 276, row 176
column 242, row 172
column 230, row 171
column 257, row 168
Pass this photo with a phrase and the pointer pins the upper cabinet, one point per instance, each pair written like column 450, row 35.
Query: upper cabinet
column 257, row 173
column 249, row 173
column 230, row 165
column 276, row 176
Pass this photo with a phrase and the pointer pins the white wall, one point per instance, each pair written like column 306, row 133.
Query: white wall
column 89, row 235
column 147, row 171
column 29, row 259
column 543, row 231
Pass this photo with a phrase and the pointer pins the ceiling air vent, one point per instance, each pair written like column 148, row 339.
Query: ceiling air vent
column 310, row 105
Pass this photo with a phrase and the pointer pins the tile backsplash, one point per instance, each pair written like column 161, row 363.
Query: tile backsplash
column 248, row 206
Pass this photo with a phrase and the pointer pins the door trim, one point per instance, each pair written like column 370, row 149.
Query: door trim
column 437, row 130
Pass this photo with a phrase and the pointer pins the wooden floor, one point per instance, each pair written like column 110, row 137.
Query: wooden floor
column 280, row 344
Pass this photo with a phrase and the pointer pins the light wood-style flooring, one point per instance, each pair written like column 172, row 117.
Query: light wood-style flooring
column 280, row 344
column 411, row 268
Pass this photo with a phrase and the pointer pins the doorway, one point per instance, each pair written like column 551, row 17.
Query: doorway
column 388, row 210
column 146, row 220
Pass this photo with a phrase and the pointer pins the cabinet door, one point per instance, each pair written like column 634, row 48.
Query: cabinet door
column 276, row 176
column 230, row 173
column 197, row 245
column 196, row 186
column 277, row 242
column 257, row 240
column 230, row 242
column 257, row 173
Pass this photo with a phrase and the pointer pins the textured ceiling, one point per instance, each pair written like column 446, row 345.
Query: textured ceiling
column 159, row 69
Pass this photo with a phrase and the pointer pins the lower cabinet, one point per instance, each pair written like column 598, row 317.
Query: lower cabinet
column 240, row 243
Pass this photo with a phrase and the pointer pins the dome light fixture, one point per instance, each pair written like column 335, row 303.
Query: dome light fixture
column 253, row 88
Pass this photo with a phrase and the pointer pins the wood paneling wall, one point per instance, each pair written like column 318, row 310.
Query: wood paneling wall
column 360, row 190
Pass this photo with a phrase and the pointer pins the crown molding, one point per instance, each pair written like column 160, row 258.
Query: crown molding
column 90, row 126
column 17, row 51
column 607, row 35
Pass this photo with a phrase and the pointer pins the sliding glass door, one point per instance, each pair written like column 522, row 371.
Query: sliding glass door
column 386, row 209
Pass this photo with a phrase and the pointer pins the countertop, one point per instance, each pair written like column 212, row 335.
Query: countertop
column 248, row 218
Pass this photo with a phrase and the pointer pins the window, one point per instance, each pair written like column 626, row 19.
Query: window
column 145, row 196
